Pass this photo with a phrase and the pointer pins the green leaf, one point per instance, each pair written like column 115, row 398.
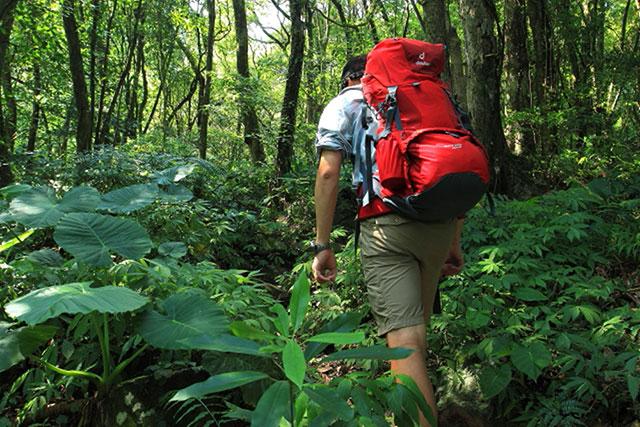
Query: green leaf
column 633, row 383
column 223, row 343
column 173, row 174
column 281, row 320
column 361, row 401
column 92, row 237
column 13, row 190
column 173, row 249
column 529, row 294
column 216, row 384
column 129, row 199
column 329, row 400
column 73, row 298
column 10, row 353
column 242, row 329
column 294, row 363
column 532, row 359
column 476, row 319
column 376, row 352
column 175, row 193
column 300, row 295
column 274, row 404
column 493, row 380
column 17, row 344
column 341, row 338
column 16, row 240
column 418, row 397
column 590, row 313
column 345, row 322
column 46, row 258
column 39, row 208
column 188, row 316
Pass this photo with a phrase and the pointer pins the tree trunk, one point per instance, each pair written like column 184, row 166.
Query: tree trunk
column 483, row 90
column 290, row 100
column 83, row 129
column 7, row 8
column 247, row 106
column 435, row 18
column 35, row 111
column 542, row 53
column 96, row 6
column 371, row 22
column 203, row 108
column 456, row 64
column 517, row 73
column 103, row 73
column 133, row 42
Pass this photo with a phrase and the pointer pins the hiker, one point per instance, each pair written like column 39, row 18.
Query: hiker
column 402, row 259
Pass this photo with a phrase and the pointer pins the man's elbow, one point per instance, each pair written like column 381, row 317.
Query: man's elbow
column 328, row 174
column 329, row 167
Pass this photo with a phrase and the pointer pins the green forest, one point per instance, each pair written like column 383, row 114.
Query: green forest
column 157, row 169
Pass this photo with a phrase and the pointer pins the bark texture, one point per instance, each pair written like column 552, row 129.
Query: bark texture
column 517, row 74
column 247, row 106
column 483, row 89
column 83, row 127
column 7, row 8
column 205, row 98
column 290, row 100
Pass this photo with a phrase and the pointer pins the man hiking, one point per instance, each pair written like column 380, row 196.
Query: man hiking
column 402, row 259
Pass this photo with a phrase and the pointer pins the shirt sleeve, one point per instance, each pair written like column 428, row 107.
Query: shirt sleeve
column 335, row 129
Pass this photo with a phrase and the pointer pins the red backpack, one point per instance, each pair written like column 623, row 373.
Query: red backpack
column 430, row 165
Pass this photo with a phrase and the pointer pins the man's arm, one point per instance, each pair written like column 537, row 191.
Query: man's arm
column 326, row 193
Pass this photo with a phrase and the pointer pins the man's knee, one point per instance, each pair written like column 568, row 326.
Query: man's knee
column 410, row 337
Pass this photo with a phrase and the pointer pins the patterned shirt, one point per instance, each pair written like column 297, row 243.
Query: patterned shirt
column 341, row 129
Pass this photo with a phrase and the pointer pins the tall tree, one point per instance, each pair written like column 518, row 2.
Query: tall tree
column 83, row 127
column 290, row 100
column 247, row 106
column 7, row 8
column 205, row 97
column 124, row 74
column 516, row 66
column 35, row 109
column 436, row 22
column 542, row 49
column 483, row 91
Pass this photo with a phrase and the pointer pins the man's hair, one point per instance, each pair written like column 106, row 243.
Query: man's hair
column 353, row 69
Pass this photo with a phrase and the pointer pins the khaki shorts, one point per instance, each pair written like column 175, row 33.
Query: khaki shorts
column 401, row 260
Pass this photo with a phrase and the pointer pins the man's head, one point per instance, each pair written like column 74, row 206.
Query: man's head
column 353, row 70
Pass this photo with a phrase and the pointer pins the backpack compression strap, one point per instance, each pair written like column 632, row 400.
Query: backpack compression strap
column 392, row 115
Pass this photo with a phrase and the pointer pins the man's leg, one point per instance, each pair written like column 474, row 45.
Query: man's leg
column 414, row 337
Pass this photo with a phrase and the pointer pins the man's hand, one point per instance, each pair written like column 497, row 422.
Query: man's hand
column 324, row 266
column 455, row 261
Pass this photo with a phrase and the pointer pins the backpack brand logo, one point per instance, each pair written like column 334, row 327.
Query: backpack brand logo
column 451, row 146
column 421, row 60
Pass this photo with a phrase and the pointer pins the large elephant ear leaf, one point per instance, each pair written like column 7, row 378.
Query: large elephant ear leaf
column 46, row 257
column 175, row 193
column 73, row 298
column 80, row 199
column 189, row 318
column 129, row 199
column 17, row 344
column 13, row 190
column 174, row 174
column 36, row 208
column 39, row 208
column 92, row 237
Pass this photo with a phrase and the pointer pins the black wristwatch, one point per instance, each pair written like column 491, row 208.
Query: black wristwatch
column 318, row 247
